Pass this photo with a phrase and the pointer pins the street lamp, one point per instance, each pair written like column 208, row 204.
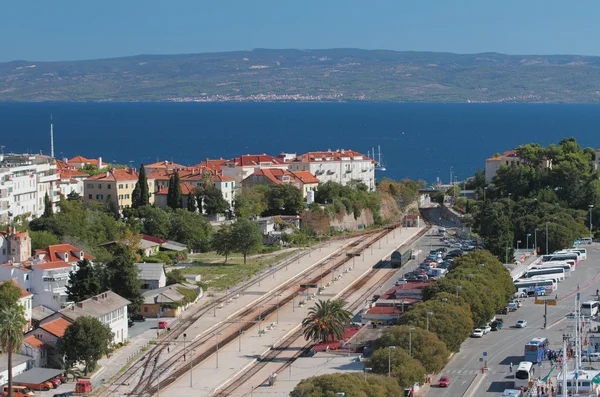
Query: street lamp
column 535, row 240
column 410, row 331
column 365, row 370
column 591, row 206
column 546, row 238
column 427, row 315
column 527, row 245
column 390, row 348
column 458, row 288
column 518, row 242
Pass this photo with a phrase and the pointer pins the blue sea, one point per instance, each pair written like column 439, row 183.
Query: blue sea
column 418, row 140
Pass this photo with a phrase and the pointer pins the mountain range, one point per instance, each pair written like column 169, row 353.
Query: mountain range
column 308, row 75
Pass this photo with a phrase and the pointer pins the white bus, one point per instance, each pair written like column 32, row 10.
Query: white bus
column 590, row 308
column 531, row 286
column 571, row 264
column 570, row 251
column 565, row 267
column 561, row 257
column 546, row 271
column 554, row 277
column 524, row 374
column 582, row 251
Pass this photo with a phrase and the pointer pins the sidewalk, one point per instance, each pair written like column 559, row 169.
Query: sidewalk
column 215, row 372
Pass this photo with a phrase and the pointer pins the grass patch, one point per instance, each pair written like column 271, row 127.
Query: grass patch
column 218, row 275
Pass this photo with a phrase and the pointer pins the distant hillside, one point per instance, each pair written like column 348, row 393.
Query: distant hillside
column 310, row 75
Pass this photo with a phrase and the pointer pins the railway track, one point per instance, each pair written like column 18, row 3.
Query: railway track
column 146, row 373
column 354, row 306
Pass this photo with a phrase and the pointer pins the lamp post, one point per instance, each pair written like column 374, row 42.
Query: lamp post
column 410, row 331
column 365, row 370
column 484, row 193
column 217, row 336
column 458, row 288
column 527, row 245
column 546, row 238
column 390, row 348
column 184, row 336
column 518, row 242
column 591, row 206
column 535, row 240
column 427, row 315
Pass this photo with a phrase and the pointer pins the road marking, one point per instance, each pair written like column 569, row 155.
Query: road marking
column 470, row 391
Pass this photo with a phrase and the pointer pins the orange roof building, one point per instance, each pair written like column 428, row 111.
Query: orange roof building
column 164, row 165
column 508, row 158
column 80, row 161
column 115, row 186
column 56, row 327
column 303, row 180
column 241, row 167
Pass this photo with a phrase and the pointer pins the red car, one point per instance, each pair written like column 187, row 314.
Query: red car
column 162, row 325
column 444, row 381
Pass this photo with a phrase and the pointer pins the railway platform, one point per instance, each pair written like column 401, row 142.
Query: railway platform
column 215, row 372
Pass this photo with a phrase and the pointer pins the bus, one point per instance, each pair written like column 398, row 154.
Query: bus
column 582, row 251
column 545, row 271
column 554, row 277
column 524, row 375
column 590, row 308
column 532, row 286
column 567, row 265
column 535, row 349
column 569, row 251
column 561, row 257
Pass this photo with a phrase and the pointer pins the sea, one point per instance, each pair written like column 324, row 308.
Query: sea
column 428, row 141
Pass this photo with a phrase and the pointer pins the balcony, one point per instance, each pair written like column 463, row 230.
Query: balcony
column 56, row 276
column 56, row 290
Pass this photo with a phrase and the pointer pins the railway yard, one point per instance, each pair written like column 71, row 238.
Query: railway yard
column 232, row 344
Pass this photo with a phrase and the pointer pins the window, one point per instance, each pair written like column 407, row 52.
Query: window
column 226, row 184
column 145, row 309
column 120, row 186
column 99, row 186
column 99, row 197
column 109, row 186
column 108, row 197
column 89, row 196
column 27, row 277
column 126, row 186
column 127, row 196
column 90, row 185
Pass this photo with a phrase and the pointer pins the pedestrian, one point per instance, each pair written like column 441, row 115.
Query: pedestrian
column 510, row 367
column 539, row 389
column 552, row 389
column 522, row 389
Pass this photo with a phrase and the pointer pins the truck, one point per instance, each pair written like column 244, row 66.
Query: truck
column 400, row 259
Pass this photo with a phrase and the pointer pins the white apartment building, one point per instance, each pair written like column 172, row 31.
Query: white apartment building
column 26, row 179
column 242, row 167
column 109, row 308
column 341, row 166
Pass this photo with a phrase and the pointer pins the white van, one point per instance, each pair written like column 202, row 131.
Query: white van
column 582, row 251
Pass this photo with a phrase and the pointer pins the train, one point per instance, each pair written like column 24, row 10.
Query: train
column 400, row 259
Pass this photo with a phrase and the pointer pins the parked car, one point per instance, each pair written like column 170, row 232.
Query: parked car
column 502, row 311
column 521, row 324
column 18, row 391
column 138, row 317
column 593, row 357
column 444, row 381
column 43, row 386
column 162, row 324
column 518, row 302
column 477, row 333
column 130, row 323
column 55, row 383
column 486, row 328
column 375, row 297
column 83, row 386
column 497, row 324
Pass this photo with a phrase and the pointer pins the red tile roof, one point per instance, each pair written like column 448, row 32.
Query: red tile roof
column 275, row 175
column 328, row 156
column 153, row 239
column 52, row 265
column 116, row 175
column 186, row 188
column 56, row 327
column 384, row 310
column 255, row 160
column 35, row 342
column 165, row 165
column 221, row 178
column 212, row 164
column 305, row 176
column 52, row 252
column 79, row 159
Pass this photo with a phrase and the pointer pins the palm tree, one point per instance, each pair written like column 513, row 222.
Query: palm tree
column 12, row 323
column 326, row 321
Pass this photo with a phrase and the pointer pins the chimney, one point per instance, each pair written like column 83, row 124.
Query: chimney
column 79, row 304
column 107, row 174
column 99, row 162
column 95, row 298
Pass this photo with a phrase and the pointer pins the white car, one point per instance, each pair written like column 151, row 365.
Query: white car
column 477, row 333
column 594, row 357
column 521, row 324
column 486, row 328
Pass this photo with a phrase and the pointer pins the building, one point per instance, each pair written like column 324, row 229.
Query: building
column 24, row 182
column 115, row 186
column 213, row 165
column 271, row 177
column 26, row 302
column 341, row 166
column 40, row 343
column 510, row 158
column 79, row 161
column 109, row 308
column 308, row 182
column 394, row 302
column 242, row 167
column 37, row 349
column 14, row 246
column 596, row 162
column 160, row 197
column 152, row 275
column 71, row 180
column 167, row 301
column 164, row 165
column 20, row 364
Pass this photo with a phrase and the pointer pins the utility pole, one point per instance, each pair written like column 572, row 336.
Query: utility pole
column 546, row 238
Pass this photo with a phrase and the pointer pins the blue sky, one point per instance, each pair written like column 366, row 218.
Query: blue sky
column 80, row 29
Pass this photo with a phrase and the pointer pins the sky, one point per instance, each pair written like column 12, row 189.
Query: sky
column 79, row 29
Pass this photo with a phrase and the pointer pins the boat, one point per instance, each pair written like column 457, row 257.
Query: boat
column 379, row 166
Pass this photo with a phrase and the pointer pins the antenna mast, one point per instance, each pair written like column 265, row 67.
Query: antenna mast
column 51, row 138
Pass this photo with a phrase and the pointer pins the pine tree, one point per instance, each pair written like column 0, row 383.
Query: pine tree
column 48, row 210
column 141, row 196
column 191, row 202
column 174, row 195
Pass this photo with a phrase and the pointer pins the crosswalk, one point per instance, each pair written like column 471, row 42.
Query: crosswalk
column 470, row 371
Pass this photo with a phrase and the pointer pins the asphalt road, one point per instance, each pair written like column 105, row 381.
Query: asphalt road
column 507, row 345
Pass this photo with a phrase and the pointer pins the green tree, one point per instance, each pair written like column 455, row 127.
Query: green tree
column 497, row 229
column 175, row 276
column 12, row 323
column 213, row 201
column 353, row 385
column 73, row 196
column 48, row 209
column 86, row 341
column 404, row 368
column 174, row 195
column 425, row 346
column 141, row 195
column 123, row 279
column 191, row 229
column 42, row 239
column 438, row 196
column 191, row 202
column 250, row 203
column 154, row 221
column 326, row 321
column 86, row 282
column 223, row 241
column 247, row 237
column 10, row 294
column 284, row 199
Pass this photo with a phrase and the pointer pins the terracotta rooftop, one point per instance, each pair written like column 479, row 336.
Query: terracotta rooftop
column 35, row 342
column 186, row 188
column 305, row 176
column 52, row 253
column 52, row 265
column 56, row 327
column 249, row 160
column 212, row 164
column 116, row 175
column 275, row 175
column 165, row 165
column 329, row 155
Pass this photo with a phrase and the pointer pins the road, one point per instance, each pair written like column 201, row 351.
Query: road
column 506, row 346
